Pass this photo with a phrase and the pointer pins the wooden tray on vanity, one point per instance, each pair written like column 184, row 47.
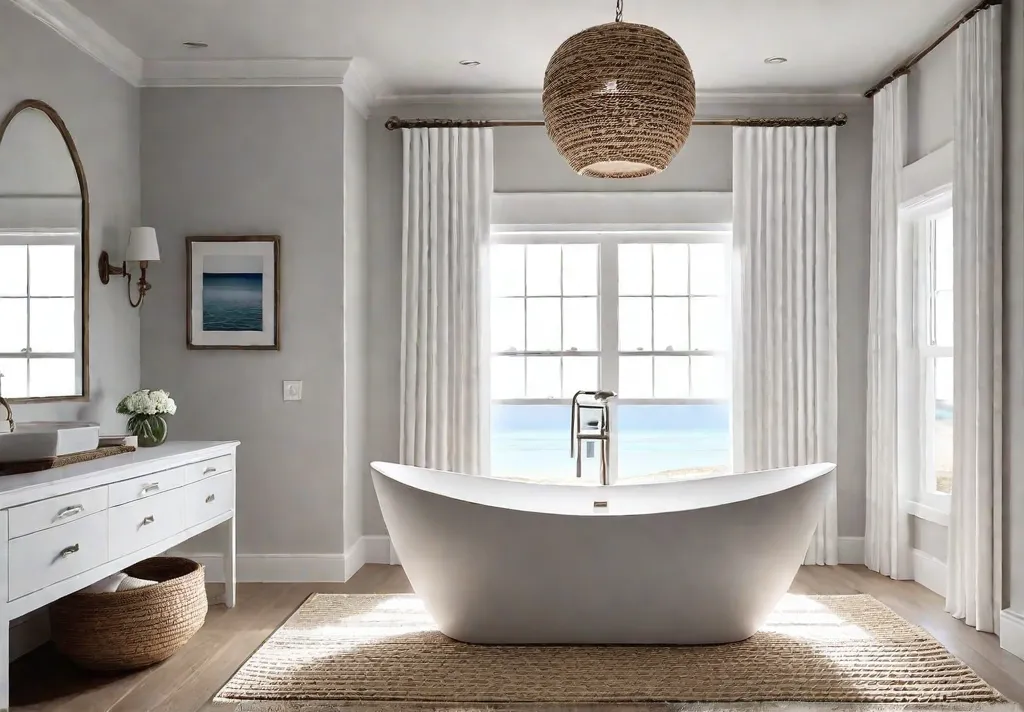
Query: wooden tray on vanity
column 21, row 468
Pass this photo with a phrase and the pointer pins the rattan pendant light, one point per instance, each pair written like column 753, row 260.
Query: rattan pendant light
column 619, row 100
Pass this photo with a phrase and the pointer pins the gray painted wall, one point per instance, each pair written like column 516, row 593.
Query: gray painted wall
column 1013, row 259
column 241, row 162
column 357, row 258
column 102, row 114
column 34, row 159
column 930, row 89
column 525, row 160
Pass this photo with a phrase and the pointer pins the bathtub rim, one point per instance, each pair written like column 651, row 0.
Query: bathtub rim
column 644, row 498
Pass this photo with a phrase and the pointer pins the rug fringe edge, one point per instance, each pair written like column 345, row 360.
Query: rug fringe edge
column 329, row 706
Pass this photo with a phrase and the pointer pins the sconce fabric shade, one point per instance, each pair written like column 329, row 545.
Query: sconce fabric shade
column 142, row 245
column 619, row 100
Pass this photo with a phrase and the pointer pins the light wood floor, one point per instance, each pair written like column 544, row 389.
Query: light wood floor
column 43, row 681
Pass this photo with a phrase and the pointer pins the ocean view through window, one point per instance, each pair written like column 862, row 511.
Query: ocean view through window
column 641, row 314
column 926, row 267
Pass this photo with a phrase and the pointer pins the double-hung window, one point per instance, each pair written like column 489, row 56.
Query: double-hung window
column 41, row 347
column 927, row 232
column 643, row 314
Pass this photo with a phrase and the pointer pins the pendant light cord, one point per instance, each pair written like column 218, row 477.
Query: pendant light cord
column 618, row 10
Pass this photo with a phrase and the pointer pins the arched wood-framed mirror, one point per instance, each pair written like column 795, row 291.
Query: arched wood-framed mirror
column 44, row 258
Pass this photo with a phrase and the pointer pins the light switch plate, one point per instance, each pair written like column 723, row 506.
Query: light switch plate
column 293, row 390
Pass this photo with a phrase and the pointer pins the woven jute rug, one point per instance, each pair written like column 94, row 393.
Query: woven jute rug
column 383, row 652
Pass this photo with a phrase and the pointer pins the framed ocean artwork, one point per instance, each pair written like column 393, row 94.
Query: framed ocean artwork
column 234, row 292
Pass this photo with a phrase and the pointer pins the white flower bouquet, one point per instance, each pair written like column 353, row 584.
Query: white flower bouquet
column 146, row 410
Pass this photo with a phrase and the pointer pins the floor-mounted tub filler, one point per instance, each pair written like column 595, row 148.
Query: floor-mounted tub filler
column 687, row 562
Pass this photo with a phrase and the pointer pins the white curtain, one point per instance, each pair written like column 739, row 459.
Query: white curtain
column 784, row 306
column 974, row 572
column 447, row 187
column 887, row 547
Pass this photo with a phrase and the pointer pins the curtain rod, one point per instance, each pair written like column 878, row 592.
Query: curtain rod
column 910, row 63
column 394, row 123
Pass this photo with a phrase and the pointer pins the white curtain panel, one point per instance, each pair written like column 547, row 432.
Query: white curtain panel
column 974, row 572
column 447, row 187
column 887, row 547
column 784, row 306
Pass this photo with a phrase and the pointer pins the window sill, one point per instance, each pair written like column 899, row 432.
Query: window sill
column 930, row 514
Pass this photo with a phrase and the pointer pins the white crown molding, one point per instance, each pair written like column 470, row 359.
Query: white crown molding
column 283, row 72
column 362, row 85
column 354, row 75
column 78, row 29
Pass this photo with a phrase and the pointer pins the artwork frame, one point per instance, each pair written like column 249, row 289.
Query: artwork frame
column 233, row 286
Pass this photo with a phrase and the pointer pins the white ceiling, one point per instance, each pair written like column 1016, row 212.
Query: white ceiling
column 833, row 46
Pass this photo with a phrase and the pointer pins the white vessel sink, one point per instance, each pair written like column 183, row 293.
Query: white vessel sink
column 43, row 440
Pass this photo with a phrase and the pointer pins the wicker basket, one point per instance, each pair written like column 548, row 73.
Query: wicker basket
column 126, row 630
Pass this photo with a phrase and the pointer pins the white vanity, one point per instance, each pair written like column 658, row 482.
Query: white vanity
column 66, row 528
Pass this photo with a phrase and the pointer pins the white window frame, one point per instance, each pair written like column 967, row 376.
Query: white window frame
column 58, row 236
column 608, row 238
column 917, row 351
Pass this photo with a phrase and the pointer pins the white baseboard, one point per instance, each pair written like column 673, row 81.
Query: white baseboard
column 1011, row 632
column 378, row 550
column 276, row 568
column 355, row 558
column 851, row 550
column 300, row 568
column 929, row 572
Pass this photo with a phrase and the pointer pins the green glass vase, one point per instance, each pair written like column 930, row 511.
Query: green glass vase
column 151, row 430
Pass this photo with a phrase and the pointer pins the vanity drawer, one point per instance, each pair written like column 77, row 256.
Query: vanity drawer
column 47, row 513
column 136, row 525
column 44, row 558
column 145, row 487
column 210, row 468
column 209, row 498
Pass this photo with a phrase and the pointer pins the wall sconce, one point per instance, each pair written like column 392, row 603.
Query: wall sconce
column 142, row 248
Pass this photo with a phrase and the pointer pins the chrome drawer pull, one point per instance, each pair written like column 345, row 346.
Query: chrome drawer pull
column 149, row 489
column 209, row 470
column 148, row 520
column 68, row 551
column 70, row 511
column 210, row 498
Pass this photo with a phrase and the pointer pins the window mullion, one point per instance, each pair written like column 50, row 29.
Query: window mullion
column 608, row 329
column 608, row 338
column 28, row 321
column 653, row 337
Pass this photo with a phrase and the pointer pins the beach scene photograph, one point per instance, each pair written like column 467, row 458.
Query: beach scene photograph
column 232, row 294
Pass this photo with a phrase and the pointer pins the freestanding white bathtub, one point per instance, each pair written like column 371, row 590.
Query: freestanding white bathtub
column 686, row 562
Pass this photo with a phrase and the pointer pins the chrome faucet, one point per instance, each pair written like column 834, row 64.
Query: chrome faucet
column 600, row 430
column 7, row 406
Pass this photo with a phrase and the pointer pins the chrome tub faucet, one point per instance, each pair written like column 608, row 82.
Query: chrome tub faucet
column 7, row 406
column 601, row 435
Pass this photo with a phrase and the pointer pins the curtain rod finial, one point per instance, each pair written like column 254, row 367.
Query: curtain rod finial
column 392, row 123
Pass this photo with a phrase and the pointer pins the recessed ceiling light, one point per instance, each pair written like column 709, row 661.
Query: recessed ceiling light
column 195, row 45
column 776, row 60
column 469, row 63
